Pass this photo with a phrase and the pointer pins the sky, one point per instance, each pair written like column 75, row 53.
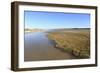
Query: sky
column 53, row 20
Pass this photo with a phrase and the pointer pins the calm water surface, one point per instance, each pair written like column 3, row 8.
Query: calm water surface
column 38, row 47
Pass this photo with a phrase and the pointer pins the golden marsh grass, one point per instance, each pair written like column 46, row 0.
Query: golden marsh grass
column 76, row 42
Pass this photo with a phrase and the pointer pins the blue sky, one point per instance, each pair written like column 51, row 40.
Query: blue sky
column 52, row 20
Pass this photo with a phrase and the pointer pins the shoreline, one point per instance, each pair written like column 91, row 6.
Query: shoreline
column 61, row 49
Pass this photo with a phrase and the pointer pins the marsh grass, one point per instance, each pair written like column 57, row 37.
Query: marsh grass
column 76, row 42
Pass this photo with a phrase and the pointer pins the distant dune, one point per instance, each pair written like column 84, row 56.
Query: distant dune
column 62, row 29
column 33, row 30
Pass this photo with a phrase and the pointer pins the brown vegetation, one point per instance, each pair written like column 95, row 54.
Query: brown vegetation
column 76, row 42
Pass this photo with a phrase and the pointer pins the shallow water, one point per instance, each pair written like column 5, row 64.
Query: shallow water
column 38, row 47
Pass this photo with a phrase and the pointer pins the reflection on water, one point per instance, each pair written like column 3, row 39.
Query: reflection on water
column 38, row 47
